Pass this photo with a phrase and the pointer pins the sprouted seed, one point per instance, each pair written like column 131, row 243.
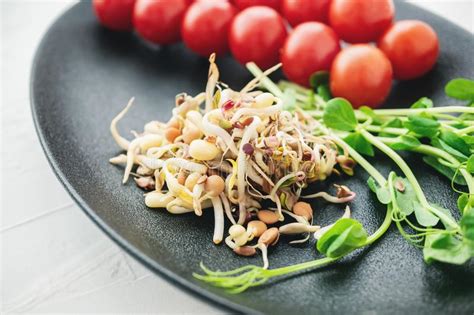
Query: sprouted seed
column 234, row 150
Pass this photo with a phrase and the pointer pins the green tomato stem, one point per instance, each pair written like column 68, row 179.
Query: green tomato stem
column 409, row 175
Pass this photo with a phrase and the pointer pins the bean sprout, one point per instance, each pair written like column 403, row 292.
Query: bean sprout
column 242, row 149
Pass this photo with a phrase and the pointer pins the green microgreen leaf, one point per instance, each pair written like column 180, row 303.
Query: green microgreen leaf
column 470, row 164
column 393, row 123
column 455, row 141
column 369, row 112
column 447, row 213
column 467, row 224
column 440, row 144
column 342, row 238
column 372, row 184
column 461, row 89
column 383, row 194
column 405, row 196
column 310, row 101
column 462, row 202
column 324, row 91
column 339, row 115
column 359, row 143
column 318, row 78
column 444, row 170
column 466, row 116
column 422, row 126
column 424, row 216
column 469, row 140
column 423, row 102
column 405, row 142
column 445, row 248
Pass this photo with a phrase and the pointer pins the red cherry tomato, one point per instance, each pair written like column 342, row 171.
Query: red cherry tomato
column 114, row 14
column 257, row 34
column 412, row 47
column 360, row 21
column 159, row 21
column 311, row 47
column 300, row 11
column 206, row 25
column 244, row 4
column 361, row 74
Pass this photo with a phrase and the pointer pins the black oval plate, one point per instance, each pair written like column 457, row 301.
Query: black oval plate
column 82, row 77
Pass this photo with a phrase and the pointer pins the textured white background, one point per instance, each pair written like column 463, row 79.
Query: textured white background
column 53, row 258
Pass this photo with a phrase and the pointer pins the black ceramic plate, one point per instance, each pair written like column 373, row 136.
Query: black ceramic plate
column 82, row 77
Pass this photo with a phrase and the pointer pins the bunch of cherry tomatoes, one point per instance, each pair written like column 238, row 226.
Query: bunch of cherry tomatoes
column 305, row 35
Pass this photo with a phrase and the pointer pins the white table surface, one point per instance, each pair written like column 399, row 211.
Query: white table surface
column 53, row 258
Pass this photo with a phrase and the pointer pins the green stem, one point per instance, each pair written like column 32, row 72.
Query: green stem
column 357, row 157
column 289, row 85
column 448, row 127
column 451, row 118
column 298, row 267
column 455, row 122
column 317, row 114
column 425, row 149
column 362, row 117
column 438, row 153
column 469, row 180
column 266, row 82
column 394, row 131
column 409, row 175
column 465, row 130
column 383, row 228
column 432, row 110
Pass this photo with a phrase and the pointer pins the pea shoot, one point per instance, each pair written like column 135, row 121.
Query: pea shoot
column 444, row 136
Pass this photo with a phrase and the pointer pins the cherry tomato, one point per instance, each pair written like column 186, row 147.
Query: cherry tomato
column 311, row 47
column 159, row 21
column 362, row 74
column 257, row 34
column 206, row 25
column 244, row 4
column 412, row 47
column 114, row 14
column 300, row 11
column 360, row 21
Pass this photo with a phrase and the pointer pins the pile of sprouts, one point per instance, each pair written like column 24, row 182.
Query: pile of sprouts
column 241, row 154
